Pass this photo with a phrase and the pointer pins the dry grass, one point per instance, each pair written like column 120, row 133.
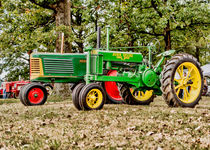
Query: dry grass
column 58, row 125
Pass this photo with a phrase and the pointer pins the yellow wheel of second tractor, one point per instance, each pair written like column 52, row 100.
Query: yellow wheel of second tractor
column 92, row 97
column 141, row 97
column 136, row 97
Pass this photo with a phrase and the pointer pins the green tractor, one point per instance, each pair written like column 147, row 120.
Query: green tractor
column 114, row 73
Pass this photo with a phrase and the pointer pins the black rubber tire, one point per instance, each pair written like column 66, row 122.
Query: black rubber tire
column 75, row 95
column 26, row 91
column 22, row 90
column 168, row 74
column 128, row 98
column 125, row 94
column 85, row 90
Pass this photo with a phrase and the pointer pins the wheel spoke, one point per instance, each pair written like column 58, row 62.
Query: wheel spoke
column 186, row 91
column 180, row 71
column 189, row 72
column 178, row 86
column 177, row 92
column 177, row 80
column 184, row 97
column 139, row 94
column 142, row 93
column 186, row 94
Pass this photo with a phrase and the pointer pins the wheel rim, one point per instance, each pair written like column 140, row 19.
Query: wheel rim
column 35, row 95
column 94, row 98
column 111, row 87
column 142, row 96
column 187, row 82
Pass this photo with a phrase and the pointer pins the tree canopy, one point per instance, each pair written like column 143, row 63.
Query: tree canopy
column 36, row 25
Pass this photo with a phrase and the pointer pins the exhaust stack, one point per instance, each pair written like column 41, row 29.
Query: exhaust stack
column 98, row 37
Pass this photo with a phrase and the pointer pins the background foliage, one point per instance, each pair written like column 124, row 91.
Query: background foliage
column 31, row 25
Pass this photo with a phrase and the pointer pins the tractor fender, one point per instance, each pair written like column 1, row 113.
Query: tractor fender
column 166, row 53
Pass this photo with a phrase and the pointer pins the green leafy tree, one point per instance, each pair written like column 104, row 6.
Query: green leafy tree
column 24, row 27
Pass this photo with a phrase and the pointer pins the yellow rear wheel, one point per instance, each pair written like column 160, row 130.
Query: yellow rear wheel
column 182, row 81
column 187, row 82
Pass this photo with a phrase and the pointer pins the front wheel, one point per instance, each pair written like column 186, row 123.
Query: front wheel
column 92, row 97
column 34, row 94
column 75, row 95
column 182, row 81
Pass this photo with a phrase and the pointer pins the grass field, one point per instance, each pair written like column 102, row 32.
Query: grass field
column 58, row 125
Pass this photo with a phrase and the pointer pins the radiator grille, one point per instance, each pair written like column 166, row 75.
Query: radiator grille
column 35, row 65
column 58, row 66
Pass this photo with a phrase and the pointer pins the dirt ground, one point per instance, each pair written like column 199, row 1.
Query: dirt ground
column 58, row 125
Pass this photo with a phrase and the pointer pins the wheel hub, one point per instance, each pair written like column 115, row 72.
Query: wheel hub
column 35, row 95
column 94, row 98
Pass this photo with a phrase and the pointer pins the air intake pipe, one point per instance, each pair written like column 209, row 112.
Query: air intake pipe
column 98, row 37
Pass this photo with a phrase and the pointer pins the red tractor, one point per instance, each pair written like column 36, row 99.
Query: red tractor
column 13, row 88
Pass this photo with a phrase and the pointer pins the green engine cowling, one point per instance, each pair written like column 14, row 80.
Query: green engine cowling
column 55, row 67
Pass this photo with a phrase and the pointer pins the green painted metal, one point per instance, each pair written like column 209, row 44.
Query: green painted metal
column 88, row 72
column 90, row 67
column 149, row 77
column 121, row 56
column 166, row 53
column 107, row 41
column 56, row 79
column 60, row 67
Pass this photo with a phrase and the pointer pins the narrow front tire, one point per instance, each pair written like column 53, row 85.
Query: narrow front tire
column 92, row 97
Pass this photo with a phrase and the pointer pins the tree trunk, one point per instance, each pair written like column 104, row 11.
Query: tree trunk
column 197, row 53
column 81, row 46
column 63, row 17
column 167, row 37
column 67, row 23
